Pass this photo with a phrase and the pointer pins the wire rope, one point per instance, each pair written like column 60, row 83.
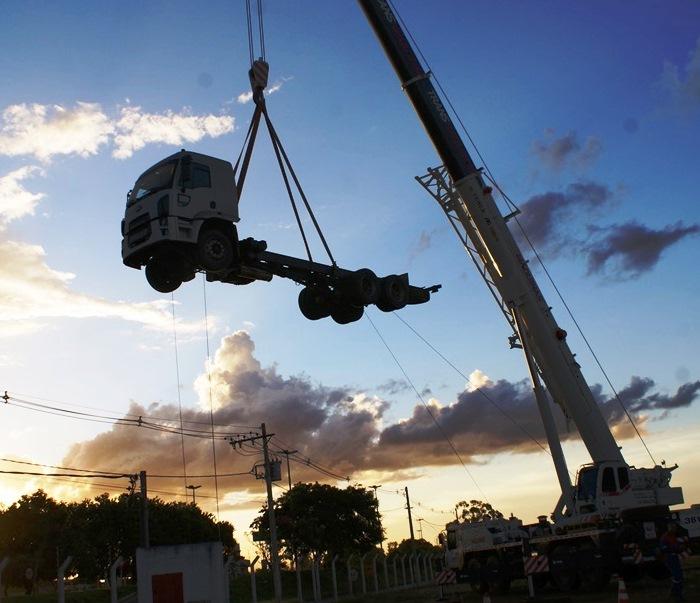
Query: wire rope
column 179, row 394
column 427, row 407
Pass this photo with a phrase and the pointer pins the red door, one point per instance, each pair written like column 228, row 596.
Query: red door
column 167, row 588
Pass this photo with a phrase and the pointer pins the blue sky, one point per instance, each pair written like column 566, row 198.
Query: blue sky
column 600, row 76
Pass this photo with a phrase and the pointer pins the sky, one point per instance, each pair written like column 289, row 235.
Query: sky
column 588, row 116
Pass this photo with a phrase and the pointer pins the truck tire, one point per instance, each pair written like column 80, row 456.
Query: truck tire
column 214, row 249
column 393, row 293
column 361, row 287
column 314, row 303
column 164, row 273
column 345, row 314
column 592, row 570
column 475, row 576
column 497, row 575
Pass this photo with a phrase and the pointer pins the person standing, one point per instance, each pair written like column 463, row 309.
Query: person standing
column 672, row 546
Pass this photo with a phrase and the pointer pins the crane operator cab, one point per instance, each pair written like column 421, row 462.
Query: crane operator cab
column 180, row 218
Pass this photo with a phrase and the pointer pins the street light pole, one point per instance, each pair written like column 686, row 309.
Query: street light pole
column 194, row 495
column 289, row 472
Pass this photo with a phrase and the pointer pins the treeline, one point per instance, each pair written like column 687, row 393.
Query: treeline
column 38, row 533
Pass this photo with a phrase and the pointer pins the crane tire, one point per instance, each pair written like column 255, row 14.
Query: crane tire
column 361, row 287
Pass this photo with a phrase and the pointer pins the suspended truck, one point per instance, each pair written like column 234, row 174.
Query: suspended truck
column 181, row 217
column 611, row 519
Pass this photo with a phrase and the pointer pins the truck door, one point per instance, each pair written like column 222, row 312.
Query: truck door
column 195, row 195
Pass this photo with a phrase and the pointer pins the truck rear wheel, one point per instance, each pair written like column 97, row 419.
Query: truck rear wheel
column 497, row 575
column 345, row 314
column 214, row 250
column 314, row 303
column 393, row 293
column 164, row 273
column 475, row 576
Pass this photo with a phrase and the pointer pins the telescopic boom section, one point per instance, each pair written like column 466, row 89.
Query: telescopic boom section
column 539, row 333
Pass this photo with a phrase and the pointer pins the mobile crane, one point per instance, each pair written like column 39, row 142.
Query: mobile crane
column 612, row 517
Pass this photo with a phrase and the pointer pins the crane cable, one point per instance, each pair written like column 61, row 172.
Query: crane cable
column 211, row 401
column 442, row 430
column 179, row 395
column 492, row 179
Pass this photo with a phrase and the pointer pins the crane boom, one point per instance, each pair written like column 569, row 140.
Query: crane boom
column 540, row 335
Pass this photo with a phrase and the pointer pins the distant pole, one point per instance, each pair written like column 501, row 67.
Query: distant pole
column 408, row 507
column 289, row 472
column 194, row 493
column 420, row 527
column 145, row 541
column 375, row 488
column 274, row 554
column 456, row 516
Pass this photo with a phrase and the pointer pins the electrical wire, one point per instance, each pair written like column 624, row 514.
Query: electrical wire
column 427, row 407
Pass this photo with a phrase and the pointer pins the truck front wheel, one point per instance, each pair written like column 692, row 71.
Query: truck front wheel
column 215, row 250
column 164, row 273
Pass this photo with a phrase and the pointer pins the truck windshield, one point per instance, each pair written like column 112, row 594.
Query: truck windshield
column 154, row 180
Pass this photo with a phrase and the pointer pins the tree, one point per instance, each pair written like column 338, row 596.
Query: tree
column 477, row 510
column 408, row 546
column 322, row 519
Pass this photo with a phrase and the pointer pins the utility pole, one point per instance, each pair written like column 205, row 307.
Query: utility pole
column 408, row 507
column 194, row 493
column 375, row 488
column 420, row 527
column 145, row 540
column 289, row 472
column 267, row 474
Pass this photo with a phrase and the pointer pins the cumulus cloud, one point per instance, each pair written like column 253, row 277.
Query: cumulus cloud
column 342, row 427
column 45, row 131
column 682, row 84
column 15, row 200
column 557, row 153
column 135, row 129
column 33, row 292
column 547, row 217
column 630, row 249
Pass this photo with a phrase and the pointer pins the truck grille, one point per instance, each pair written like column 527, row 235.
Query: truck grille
column 139, row 230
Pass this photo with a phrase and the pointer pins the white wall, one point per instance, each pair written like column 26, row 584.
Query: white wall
column 201, row 565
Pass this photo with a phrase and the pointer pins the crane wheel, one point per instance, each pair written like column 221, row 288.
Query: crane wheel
column 563, row 567
column 164, row 273
column 393, row 293
column 214, row 250
column 497, row 575
column 475, row 576
column 345, row 314
column 314, row 303
column 361, row 287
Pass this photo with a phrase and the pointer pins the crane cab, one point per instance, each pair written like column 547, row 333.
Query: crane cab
column 180, row 218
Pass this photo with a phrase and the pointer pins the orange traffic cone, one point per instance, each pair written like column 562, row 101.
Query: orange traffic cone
column 622, row 596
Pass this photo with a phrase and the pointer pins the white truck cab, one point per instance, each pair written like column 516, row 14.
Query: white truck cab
column 179, row 218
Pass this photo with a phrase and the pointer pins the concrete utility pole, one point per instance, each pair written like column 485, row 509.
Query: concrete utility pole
column 408, row 507
column 375, row 488
column 274, row 553
column 289, row 472
column 420, row 527
column 145, row 540
column 194, row 493
column 267, row 475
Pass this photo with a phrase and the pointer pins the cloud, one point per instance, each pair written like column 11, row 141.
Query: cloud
column 341, row 427
column 546, row 217
column 245, row 97
column 630, row 249
column 15, row 200
column 557, row 153
column 135, row 129
column 46, row 131
column 682, row 84
column 392, row 387
column 33, row 292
